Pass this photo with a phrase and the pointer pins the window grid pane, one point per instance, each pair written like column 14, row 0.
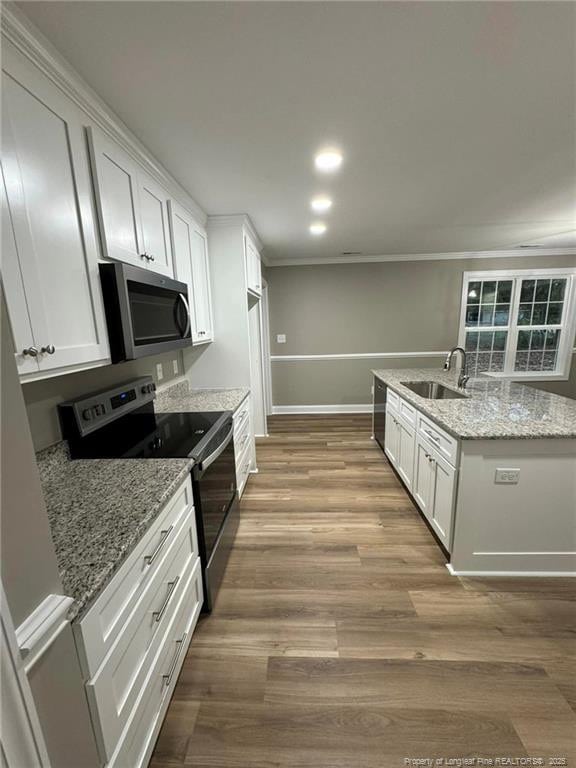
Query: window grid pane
column 536, row 325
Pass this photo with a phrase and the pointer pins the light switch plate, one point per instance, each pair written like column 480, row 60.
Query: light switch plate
column 175, row 366
column 507, row 476
column 159, row 371
column 281, row 338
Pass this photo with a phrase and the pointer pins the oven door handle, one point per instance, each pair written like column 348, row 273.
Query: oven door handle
column 213, row 456
column 188, row 318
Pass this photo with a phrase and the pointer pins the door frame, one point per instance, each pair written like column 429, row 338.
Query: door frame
column 265, row 348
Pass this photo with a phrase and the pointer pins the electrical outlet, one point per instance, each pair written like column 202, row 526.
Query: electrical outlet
column 175, row 367
column 507, row 476
column 159, row 371
column 281, row 338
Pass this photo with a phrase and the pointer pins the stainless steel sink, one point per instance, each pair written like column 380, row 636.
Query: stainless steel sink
column 432, row 390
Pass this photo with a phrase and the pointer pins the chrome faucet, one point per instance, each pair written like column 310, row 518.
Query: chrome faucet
column 463, row 377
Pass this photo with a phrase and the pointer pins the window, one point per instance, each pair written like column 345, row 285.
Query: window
column 519, row 324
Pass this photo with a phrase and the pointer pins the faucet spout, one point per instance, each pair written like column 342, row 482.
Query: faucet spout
column 463, row 376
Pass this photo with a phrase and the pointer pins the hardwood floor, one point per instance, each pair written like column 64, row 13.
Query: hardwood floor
column 339, row 640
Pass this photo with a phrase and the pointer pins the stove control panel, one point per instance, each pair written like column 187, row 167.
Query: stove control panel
column 86, row 414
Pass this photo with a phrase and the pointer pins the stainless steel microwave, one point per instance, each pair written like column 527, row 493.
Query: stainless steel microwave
column 146, row 313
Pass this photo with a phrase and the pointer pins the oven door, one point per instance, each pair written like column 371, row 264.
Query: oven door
column 215, row 479
column 217, row 513
column 146, row 313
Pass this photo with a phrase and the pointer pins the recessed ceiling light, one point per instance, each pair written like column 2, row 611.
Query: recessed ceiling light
column 328, row 160
column 318, row 228
column 321, row 204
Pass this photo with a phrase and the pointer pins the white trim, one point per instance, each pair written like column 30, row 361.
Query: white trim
column 23, row 742
column 510, row 253
column 37, row 633
column 32, row 44
column 278, row 410
column 356, row 356
column 524, row 574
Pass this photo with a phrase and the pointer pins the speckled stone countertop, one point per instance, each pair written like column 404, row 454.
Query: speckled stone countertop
column 98, row 510
column 179, row 397
column 493, row 409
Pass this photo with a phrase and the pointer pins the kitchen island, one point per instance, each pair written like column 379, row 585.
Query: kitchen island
column 492, row 469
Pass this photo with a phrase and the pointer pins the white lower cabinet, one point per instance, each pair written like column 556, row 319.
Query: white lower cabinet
column 406, row 453
column 244, row 447
column 158, row 595
column 443, row 499
column 392, row 436
column 418, row 453
column 399, row 445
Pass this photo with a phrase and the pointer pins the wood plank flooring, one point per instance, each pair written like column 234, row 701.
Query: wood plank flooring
column 339, row 640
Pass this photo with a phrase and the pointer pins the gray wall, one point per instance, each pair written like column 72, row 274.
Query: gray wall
column 379, row 307
column 43, row 396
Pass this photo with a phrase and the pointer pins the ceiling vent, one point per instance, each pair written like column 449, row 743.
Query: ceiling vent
column 351, row 253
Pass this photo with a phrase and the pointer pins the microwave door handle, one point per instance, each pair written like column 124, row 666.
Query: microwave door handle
column 188, row 318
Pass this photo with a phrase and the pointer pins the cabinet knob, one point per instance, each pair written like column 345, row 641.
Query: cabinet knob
column 30, row 352
column 48, row 350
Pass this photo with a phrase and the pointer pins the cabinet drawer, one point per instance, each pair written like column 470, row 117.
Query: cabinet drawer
column 241, row 415
column 116, row 686
column 445, row 444
column 98, row 630
column 407, row 412
column 392, row 400
column 243, row 469
column 139, row 735
column 241, row 439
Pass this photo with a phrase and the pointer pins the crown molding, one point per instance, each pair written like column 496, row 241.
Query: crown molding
column 34, row 46
column 238, row 220
column 511, row 253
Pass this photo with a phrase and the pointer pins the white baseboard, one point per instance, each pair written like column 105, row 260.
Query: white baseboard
column 302, row 409
column 515, row 574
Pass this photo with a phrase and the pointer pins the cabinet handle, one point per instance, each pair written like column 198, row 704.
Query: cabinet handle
column 172, row 586
column 30, row 352
column 49, row 350
column 179, row 646
column 144, row 256
column 151, row 258
column 431, row 437
column 149, row 559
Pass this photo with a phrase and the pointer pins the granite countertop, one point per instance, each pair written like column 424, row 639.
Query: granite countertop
column 98, row 511
column 179, row 397
column 493, row 409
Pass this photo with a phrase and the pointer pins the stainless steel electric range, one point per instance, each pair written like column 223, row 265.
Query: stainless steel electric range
column 121, row 423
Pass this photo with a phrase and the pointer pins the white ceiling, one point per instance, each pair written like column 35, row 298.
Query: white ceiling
column 456, row 119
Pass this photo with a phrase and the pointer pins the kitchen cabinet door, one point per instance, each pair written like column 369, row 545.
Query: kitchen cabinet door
column 48, row 193
column 202, row 291
column 154, row 220
column 16, row 296
column 443, row 497
column 116, row 187
column 406, row 440
column 392, row 437
column 253, row 267
column 423, row 477
column 191, row 265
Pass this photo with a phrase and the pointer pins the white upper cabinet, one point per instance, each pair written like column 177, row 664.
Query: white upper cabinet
column 192, row 267
column 132, row 208
column 50, row 246
column 253, row 267
column 155, row 232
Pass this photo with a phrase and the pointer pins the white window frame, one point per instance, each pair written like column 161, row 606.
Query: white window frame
column 568, row 325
